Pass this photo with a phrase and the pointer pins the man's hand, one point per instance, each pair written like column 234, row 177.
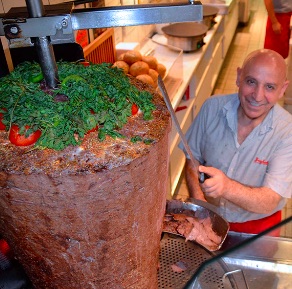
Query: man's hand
column 216, row 185
column 260, row 200
column 277, row 28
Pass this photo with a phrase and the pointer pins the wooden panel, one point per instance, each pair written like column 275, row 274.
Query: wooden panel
column 102, row 49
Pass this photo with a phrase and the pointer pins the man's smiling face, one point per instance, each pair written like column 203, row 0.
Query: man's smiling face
column 261, row 82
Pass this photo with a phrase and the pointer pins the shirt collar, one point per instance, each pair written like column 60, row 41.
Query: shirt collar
column 230, row 112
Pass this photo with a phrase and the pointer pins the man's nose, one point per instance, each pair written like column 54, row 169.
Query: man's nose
column 259, row 93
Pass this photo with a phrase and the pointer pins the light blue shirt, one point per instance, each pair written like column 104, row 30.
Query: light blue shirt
column 263, row 159
column 282, row 6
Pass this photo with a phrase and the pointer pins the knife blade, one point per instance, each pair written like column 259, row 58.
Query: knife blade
column 202, row 176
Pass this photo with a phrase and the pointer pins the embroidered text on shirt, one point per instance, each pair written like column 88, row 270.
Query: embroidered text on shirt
column 262, row 162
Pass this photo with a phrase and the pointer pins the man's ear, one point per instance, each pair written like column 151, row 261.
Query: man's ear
column 283, row 89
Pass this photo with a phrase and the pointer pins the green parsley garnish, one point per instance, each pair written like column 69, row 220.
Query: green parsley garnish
column 97, row 95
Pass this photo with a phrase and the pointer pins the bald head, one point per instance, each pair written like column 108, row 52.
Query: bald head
column 269, row 58
column 262, row 81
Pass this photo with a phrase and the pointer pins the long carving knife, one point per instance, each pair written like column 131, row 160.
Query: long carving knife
column 174, row 118
column 161, row 86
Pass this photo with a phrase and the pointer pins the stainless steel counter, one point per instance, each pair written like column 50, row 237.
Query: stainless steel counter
column 248, row 262
column 264, row 263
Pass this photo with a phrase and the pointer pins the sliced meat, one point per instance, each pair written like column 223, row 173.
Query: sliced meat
column 193, row 228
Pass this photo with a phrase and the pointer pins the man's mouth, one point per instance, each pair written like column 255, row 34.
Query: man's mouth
column 257, row 104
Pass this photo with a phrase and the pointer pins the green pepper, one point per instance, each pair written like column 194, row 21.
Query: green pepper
column 36, row 78
column 72, row 77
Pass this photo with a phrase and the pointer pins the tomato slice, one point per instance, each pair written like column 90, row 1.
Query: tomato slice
column 135, row 108
column 20, row 139
column 85, row 63
column 2, row 125
column 93, row 130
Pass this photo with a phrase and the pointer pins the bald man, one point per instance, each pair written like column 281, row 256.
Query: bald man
column 243, row 142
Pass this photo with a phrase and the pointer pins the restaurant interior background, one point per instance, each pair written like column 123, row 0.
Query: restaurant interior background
column 248, row 36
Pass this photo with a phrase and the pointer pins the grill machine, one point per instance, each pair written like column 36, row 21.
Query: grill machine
column 42, row 31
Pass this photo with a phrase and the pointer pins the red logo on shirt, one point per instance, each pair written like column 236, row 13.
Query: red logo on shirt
column 261, row 162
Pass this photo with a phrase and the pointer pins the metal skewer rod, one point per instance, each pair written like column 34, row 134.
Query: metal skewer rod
column 44, row 48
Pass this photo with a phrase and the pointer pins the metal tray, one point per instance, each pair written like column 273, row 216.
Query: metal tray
column 174, row 250
column 202, row 210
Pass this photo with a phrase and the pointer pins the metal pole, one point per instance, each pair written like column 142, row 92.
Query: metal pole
column 43, row 46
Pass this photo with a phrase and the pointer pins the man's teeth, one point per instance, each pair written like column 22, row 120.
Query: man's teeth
column 254, row 103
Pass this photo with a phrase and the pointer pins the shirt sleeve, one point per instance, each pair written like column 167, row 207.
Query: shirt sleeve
column 279, row 173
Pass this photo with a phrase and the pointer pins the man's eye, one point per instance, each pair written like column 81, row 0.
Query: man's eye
column 250, row 81
column 270, row 87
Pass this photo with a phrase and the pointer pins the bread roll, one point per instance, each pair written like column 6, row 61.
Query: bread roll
column 121, row 56
column 122, row 64
column 151, row 61
column 138, row 68
column 146, row 79
column 154, row 75
column 132, row 56
column 161, row 69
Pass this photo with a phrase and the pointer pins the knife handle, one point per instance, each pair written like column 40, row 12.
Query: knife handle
column 203, row 177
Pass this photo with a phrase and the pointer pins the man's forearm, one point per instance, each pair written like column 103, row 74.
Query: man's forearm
column 260, row 200
column 271, row 11
column 191, row 173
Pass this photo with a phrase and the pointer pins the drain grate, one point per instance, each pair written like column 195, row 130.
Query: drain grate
column 174, row 249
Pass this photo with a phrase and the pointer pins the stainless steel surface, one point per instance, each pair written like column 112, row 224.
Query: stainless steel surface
column 219, row 225
column 47, row 61
column 35, row 8
column 165, row 95
column 187, row 29
column 209, row 14
column 255, row 261
column 187, row 36
column 266, row 262
column 136, row 15
column 173, row 250
column 186, row 44
column 206, row 205
column 114, row 16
